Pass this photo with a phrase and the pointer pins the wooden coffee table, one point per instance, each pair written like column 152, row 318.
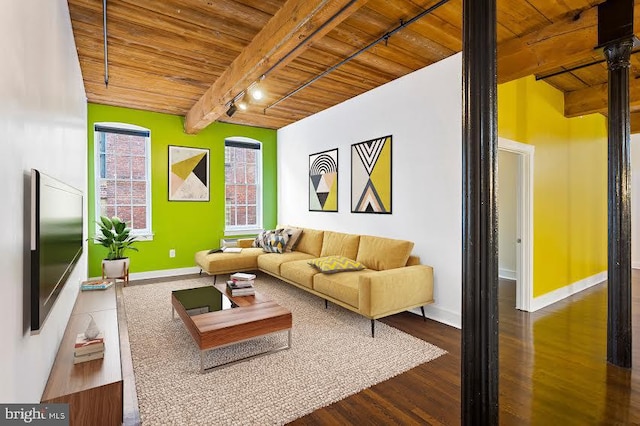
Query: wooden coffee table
column 216, row 319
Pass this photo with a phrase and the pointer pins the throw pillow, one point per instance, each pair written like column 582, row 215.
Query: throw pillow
column 259, row 239
column 275, row 241
column 294, row 235
column 333, row 264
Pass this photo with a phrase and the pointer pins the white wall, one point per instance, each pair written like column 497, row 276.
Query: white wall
column 635, row 201
column 423, row 113
column 507, row 212
column 42, row 125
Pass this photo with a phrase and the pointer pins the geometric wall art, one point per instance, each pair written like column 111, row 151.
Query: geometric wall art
column 323, row 181
column 371, row 176
column 188, row 174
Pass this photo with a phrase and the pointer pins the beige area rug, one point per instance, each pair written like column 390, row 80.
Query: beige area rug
column 332, row 356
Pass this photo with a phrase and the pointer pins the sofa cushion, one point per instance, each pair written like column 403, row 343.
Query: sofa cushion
column 334, row 264
column 298, row 271
column 342, row 286
column 339, row 244
column 310, row 242
column 275, row 241
column 223, row 263
column 383, row 253
column 270, row 262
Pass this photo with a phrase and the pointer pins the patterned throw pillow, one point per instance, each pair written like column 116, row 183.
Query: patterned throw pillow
column 333, row 264
column 262, row 238
column 275, row 241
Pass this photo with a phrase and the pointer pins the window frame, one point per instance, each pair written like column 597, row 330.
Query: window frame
column 258, row 227
column 102, row 127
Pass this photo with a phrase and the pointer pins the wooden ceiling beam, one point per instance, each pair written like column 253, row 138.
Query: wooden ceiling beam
column 298, row 21
column 635, row 122
column 594, row 99
column 567, row 40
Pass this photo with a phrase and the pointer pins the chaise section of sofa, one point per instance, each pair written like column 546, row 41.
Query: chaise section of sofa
column 392, row 280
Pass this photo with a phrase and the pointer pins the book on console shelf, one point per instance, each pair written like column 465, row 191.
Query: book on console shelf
column 88, row 349
column 82, row 341
column 96, row 285
column 77, row 359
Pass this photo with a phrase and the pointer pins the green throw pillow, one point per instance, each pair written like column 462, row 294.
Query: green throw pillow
column 333, row 264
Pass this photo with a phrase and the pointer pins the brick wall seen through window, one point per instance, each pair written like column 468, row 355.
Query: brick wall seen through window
column 242, row 185
column 122, row 178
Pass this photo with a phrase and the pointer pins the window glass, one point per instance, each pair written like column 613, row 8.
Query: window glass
column 243, row 185
column 123, row 181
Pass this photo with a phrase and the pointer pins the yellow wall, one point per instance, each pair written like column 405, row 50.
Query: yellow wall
column 570, row 182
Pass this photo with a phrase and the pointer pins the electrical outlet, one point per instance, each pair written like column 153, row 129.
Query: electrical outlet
column 172, row 253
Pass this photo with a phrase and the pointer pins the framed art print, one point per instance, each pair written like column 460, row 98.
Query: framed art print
column 188, row 174
column 323, row 181
column 371, row 176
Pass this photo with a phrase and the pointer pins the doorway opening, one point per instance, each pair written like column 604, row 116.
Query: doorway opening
column 515, row 201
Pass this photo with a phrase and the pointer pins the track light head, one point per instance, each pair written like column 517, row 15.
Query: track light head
column 242, row 104
column 232, row 109
column 256, row 92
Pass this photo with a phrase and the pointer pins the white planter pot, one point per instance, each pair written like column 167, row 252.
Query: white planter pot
column 118, row 268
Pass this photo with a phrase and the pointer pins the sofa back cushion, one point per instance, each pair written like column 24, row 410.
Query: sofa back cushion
column 339, row 244
column 383, row 253
column 310, row 242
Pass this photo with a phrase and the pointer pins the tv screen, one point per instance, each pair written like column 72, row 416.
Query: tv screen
column 56, row 241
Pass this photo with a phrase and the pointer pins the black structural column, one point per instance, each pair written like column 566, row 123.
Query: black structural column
column 615, row 36
column 619, row 194
column 479, row 217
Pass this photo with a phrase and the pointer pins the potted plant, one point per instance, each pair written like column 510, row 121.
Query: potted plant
column 117, row 239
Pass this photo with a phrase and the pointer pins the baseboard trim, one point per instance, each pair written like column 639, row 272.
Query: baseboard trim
column 441, row 315
column 507, row 274
column 564, row 292
column 635, row 265
column 162, row 273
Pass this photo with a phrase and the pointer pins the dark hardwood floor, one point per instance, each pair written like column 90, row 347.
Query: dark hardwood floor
column 553, row 371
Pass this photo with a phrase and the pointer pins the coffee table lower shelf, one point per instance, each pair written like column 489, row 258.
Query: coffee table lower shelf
column 204, row 369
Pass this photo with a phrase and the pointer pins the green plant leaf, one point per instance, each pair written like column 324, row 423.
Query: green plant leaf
column 106, row 223
column 116, row 237
column 120, row 227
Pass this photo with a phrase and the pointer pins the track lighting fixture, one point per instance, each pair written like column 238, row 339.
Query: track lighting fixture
column 256, row 91
column 232, row 109
column 241, row 103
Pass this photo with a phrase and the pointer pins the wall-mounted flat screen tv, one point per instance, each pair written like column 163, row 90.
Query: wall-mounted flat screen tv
column 56, row 241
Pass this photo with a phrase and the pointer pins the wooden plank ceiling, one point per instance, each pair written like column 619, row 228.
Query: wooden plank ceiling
column 192, row 57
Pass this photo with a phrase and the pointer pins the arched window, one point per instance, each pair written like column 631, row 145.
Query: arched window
column 123, row 175
column 243, row 185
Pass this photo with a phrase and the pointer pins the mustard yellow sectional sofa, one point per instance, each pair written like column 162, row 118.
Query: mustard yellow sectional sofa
column 393, row 280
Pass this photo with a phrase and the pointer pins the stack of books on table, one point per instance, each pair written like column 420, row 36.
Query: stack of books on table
column 88, row 349
column 241, row 284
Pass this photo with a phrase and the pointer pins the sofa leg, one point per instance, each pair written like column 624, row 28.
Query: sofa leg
column 424, row 317
column 326, row 304
column 200, row 273
column 373, row 328
column 215, row 277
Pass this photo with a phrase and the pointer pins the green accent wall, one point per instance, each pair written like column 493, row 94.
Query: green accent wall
column 184, row 226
